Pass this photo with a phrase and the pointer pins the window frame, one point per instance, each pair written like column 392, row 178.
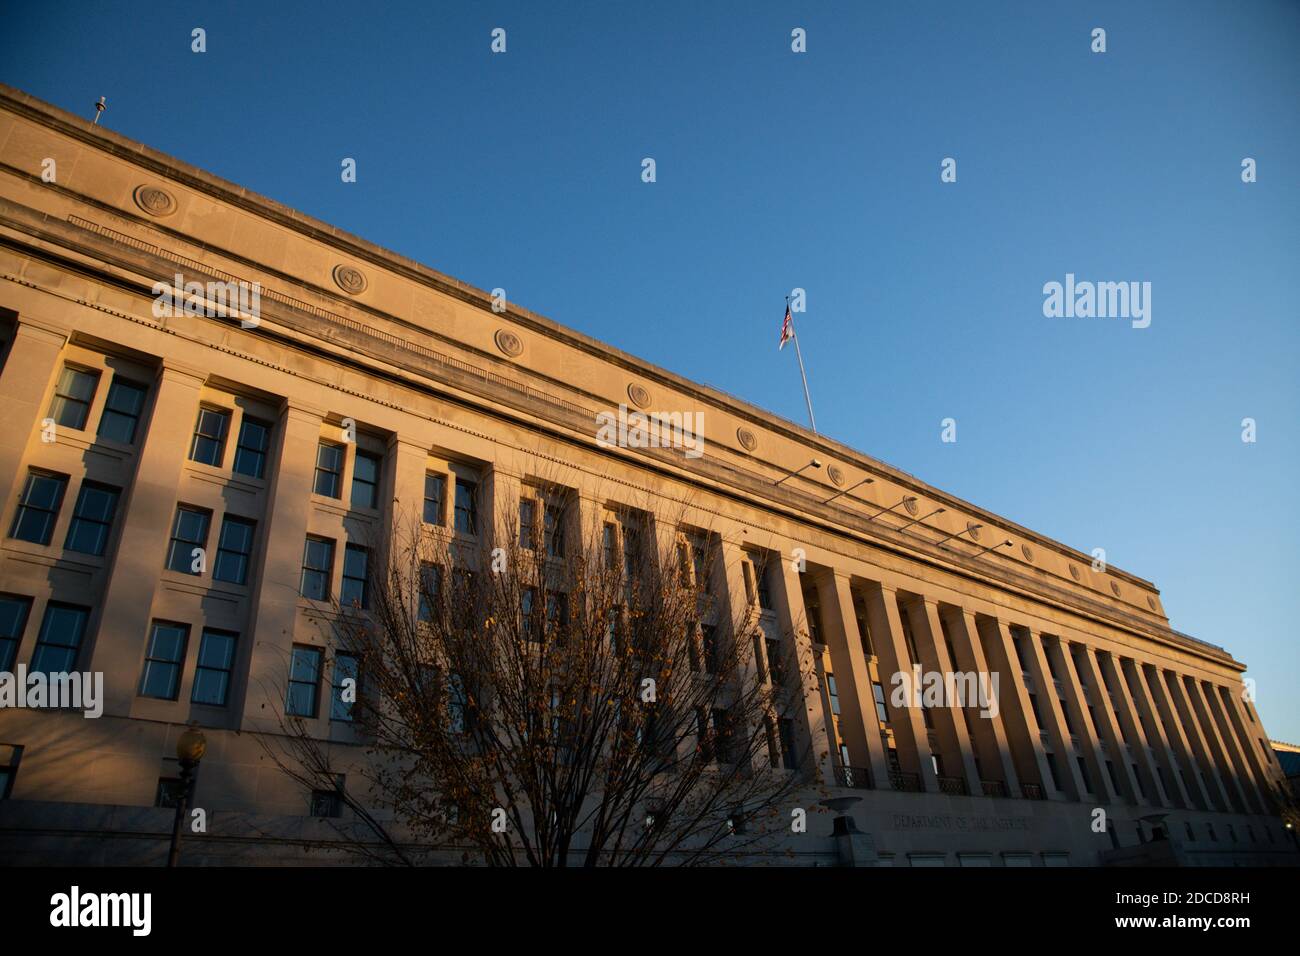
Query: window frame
column 327, row 572
column 51, row 513
column 218, row 442
column 116, row 383
column 78, row 519
column 177, row 665
column 201, row 544
column 242, row 448
column 56, row 409
column 200, row 668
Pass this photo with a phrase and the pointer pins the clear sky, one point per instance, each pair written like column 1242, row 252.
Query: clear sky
column 821, row 170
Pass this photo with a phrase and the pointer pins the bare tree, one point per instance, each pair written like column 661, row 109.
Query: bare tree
column 564, row 696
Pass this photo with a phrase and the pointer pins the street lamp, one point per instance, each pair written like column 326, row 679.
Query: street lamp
column 190, row 747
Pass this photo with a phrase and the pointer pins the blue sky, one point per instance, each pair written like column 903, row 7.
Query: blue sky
column 821, row 170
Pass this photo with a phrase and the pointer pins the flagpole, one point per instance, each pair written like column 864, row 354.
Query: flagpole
column 794, row 334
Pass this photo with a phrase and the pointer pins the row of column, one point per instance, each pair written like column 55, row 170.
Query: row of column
column 1115, row 729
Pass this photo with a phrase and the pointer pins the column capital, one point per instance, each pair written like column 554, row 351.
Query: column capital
column 171, row 370
column 298, row 409
column 42, row 329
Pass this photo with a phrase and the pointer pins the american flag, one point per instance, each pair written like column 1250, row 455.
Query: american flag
column 787, row 328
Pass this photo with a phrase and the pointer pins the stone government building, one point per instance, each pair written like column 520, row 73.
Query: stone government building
column 191, row 430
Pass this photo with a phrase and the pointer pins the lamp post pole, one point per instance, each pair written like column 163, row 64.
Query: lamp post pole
column 190, row 747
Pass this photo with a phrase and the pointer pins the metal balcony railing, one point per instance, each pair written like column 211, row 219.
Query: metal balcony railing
column 856, row 778
column 908, row 782
column 953, row 785
column 1032, row 791
column 994, row 788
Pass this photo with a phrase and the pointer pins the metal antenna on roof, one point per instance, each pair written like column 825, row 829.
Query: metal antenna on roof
column 99, row 108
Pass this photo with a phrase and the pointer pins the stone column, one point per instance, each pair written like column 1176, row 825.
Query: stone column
column 32, row 364
column 858, row 722
column 1200, row 747
column 1106, row 724
column 266, row 651
column 1218, row 752
column 1192, row 777
column 1023, row 734
column 1170, row 749
column 990, row 731
column 1089, row 743
column 1261, row 759
column 1050, row 707
column 147, row 515
column 1127, row 726
column 951, row 718
column 793, row 618
column 1246, row 774
column 910, row 735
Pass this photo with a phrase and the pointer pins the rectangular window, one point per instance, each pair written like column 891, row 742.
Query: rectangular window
column 553, row 530
column 317, row 568
column 527, row 599
column 59, row 642
column 365, row 480
column 761, row 573
column 251, row 448
column 882, row 712
column 72, row 397
column 527, row 523
column 430, row 589
column 163, row 659
column 466, row 506
column 168, row 794
column 10, row 756
column 92, row 519
column 354, row 591
column 712, row 648
column 122, row 410
column 434, row 488
column 346, row 680
column 609, row 542
column 13, row 621
column 304, row 681
column 209, row 443
column 189, row 531
column 329, row 470
column 834, row 693
column 775, row 661
column 38, row 507
column 788, row 755
column 216, row 660
column 234, row 546
column 328, row 803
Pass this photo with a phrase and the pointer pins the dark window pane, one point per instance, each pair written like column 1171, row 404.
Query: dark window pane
column 189, row 531
column 163, row 659
column 365, row 481
column 329, row 469
column 250, row 450
column 304, row 678
column 13, row 619
column 434, row 486
column 355, row 559
column 466, row 507
column 38, row 507
column 317, row 568
column 92, row 519
column 233, row 549
column 72, row 396
column 60, row 639
column 345, row 668
column 209, row 436
column 122, row 411
column 212, row 675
